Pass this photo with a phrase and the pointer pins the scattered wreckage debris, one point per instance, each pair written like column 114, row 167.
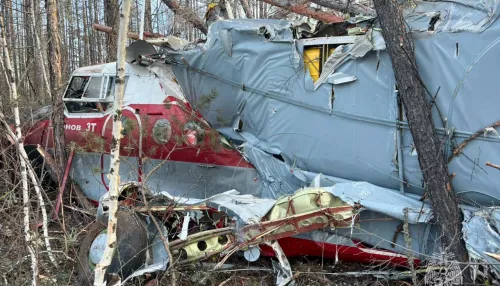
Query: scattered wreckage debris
column 217, row 226
column 220, row 226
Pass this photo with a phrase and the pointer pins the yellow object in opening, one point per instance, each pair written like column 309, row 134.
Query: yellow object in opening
column 330, row 52
column 312, row 61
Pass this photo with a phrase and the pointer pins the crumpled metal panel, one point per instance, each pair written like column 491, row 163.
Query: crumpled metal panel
column 352, row 134
column 183, row 178
column 385, row 201
column 372, row 40
column 293, row 132
column 200, row 180
column 246, row 208
column 481, row 235
column 454, row 15
column 377, row 222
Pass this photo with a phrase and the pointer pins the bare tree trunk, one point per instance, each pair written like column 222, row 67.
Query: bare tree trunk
column 78, row 35
column 11, row 36
column 5, row 97
column 41, row 56
column 261, row 9
column 246, row 9
column 114, row 171
column 412, row 92
column 111, row 19
column 63, row 31
column 134, row 15
column 86, row 43
column 96, row 36
column 19, row 53
column 34, row 82
column 90, row 32
column 30, row 244
column 56, row 83
column 148, row 24
column 71, row 48
column 187, row 14
column 306, row 11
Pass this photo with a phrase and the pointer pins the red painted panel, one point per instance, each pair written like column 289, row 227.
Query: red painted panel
column 85, row 132
column 302, row 247
column 35, row 134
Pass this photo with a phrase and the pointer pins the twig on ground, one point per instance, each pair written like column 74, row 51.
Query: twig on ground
column 80, row 210
column 227, row 280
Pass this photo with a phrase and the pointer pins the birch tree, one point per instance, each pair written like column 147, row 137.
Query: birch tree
column 24, row 175
column 114, row 171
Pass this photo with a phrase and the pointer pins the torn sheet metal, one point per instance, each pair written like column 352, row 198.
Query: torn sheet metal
column 292, row 130
column 385, row 201
column 481, row 235
column 354, row 135
column 451, row 16
column 250, row 210
column 170, row 43
column 246, row 208
column 376, row 225
column 372, row 40
column 340, row 78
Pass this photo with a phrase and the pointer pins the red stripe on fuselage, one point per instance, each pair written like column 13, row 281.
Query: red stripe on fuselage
column 91, row 134
column 293, row 246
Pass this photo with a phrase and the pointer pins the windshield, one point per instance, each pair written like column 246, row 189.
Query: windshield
column 77, row 86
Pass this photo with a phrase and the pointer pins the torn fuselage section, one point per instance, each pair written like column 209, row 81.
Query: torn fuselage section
column 324, row 106
column 229, row 222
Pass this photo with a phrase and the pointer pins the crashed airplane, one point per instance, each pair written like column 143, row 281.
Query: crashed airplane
column 273, row 137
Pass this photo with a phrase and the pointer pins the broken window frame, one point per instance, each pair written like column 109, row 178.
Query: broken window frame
column 106, row 95
column 325, row 44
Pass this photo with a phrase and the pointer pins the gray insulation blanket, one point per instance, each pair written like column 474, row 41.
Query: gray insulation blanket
column 293, row 129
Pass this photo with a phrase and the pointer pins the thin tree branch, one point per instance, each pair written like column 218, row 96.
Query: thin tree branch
column 187, row 14
column 489, row 164
column 131, row 35
column 462, row 145
column 246, row 9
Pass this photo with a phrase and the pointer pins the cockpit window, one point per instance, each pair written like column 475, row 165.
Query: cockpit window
column 90, row 94
column 110, row 90
column 93, row 88
column 77, row 87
